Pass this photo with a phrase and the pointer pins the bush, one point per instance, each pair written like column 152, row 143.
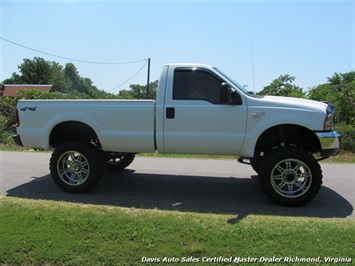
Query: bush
column 347, row 133
column 7, row 114
column 8, row 109
column 5, row 133
column 3, row 122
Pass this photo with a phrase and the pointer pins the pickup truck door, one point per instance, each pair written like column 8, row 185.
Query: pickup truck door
column 197, row 118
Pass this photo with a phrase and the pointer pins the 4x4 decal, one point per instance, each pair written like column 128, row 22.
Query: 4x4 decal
column 29, row 108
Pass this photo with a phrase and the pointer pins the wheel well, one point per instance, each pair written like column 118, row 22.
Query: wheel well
column 290, row 135
column 71, row 130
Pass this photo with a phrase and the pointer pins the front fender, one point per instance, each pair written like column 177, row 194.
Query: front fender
column 260, row 120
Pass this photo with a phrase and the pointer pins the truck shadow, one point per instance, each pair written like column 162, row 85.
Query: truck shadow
column 236, row 196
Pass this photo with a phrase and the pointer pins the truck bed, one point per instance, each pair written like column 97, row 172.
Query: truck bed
column 121, row 125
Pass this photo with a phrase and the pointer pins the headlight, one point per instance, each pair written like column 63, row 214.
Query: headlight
column 329, row 119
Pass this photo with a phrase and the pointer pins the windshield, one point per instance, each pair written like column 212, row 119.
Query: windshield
column 232, row 80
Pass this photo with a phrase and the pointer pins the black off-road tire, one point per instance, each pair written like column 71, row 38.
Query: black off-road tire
column 118, row 161
column 255, row 163
column 76, row 166
column 290, row 176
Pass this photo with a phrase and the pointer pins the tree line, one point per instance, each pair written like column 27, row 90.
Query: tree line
column 339, row 90
column 67, row 83
column 66, row 80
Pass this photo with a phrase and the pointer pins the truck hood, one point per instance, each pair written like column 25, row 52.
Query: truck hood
column 291, row 103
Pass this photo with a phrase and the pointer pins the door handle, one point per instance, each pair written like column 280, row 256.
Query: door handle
column 170, row 112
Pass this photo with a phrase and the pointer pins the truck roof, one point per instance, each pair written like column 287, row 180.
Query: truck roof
column 188, row 65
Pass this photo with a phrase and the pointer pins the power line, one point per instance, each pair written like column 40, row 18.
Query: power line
column 135, row 74
column 72, row 59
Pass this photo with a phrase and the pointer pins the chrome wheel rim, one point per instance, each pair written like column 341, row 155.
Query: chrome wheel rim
column 291, row 178
column 73, row 168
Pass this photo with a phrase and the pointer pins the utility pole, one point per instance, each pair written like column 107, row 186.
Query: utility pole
column 147, row 94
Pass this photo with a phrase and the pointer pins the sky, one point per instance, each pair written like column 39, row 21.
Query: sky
column 252, row 41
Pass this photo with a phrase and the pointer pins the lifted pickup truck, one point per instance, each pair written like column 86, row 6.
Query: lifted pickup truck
column 199, row 110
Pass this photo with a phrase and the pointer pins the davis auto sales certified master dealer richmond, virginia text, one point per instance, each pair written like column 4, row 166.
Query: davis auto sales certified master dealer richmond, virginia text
column 247, row 260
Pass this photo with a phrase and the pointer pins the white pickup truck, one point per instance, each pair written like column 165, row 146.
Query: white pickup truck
column 198, row 110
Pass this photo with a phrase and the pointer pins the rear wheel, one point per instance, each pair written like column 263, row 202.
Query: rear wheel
column 290, row 176
column 76, row 166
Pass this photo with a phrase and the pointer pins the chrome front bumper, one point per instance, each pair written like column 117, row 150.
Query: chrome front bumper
column 329, row 142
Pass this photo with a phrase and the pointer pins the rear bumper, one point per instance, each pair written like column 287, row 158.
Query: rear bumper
column 330, row 143
column 17, row 140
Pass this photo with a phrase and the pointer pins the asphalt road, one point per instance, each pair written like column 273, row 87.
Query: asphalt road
column 188, row 185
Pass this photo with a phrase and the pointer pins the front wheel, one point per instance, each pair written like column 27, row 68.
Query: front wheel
column 76, row 166
column 118, row 161
column 290, row 176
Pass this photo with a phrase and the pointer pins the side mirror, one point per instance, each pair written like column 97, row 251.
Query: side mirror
column 229, row 95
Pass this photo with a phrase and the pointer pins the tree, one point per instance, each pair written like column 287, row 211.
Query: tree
column 140, row 91
column 323, row 92
column 36, row 71
column 282, row 86
column 340, row 91
column 15, row 79
column 58, row 79
column 82, row 85
column 71, row 72
column 125, row 94
column 64, row 79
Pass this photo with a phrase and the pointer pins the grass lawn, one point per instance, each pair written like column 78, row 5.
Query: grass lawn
column 38, row 232
column 342, row 157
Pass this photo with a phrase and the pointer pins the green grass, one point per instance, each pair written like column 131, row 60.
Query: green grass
column 342, row 157
column 37, row 232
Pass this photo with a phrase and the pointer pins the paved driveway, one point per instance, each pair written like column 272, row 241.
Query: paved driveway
column 193, row 185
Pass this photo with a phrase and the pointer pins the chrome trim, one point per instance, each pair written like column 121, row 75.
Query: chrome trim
column 329, row 142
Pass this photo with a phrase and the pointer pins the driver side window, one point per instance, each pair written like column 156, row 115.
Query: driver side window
column 192, row 84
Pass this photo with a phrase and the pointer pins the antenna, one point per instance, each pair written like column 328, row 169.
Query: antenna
column 252, row 65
